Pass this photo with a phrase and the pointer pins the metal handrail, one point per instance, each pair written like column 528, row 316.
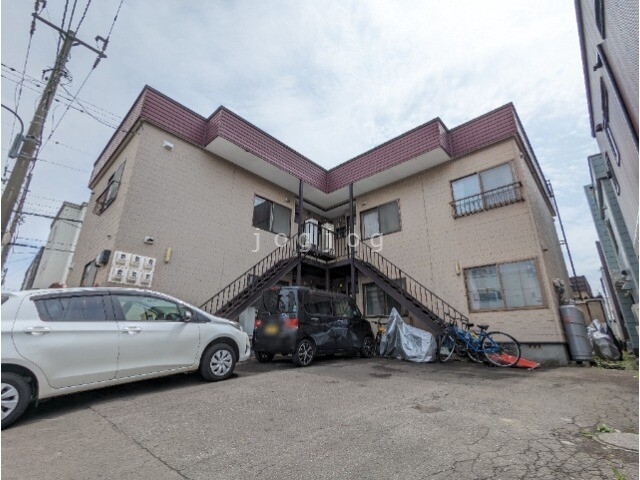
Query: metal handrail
column 444, row 311
column 494, row 198
column 246, row 279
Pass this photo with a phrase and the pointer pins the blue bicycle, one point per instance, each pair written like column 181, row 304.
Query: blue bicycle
column 496, row 348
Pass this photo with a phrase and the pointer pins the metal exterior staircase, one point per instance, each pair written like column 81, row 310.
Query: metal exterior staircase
column 242, row 292
column 423, row 304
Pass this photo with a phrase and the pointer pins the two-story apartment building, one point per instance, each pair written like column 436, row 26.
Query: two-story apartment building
column 440, row 223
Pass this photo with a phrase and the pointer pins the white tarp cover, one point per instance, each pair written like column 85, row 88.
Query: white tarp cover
column 406, row 342
column 601, row 342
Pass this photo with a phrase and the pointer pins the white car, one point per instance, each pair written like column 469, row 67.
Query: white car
column 60, row 341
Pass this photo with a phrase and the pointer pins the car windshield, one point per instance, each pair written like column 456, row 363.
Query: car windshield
column 280, row 300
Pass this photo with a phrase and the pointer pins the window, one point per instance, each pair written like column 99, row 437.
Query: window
column 89, row 273
column 140, row 308
column 612, row 144
column 110, row 193
column 345, row 307
column 279, row 300
column 318, row 304
column 71, row 309
column 504, row 286
column 381, row 220
column 271, row 217
column 488, row 189
column 612, row 236
column 612, row 175
column 377, row 301
column 599, row 9
column 604, row 101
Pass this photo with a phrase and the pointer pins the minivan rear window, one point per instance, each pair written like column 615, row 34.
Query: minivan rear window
column 280, row 300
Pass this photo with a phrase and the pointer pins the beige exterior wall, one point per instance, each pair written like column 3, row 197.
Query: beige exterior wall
column 201, row 206
column 432, row 242
column 99, row 232
column 186, row 199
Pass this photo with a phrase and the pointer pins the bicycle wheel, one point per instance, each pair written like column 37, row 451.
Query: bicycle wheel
column 501, row 349
column 474, row 355
column 445, row 346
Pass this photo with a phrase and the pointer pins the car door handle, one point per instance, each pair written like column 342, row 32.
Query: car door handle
column 314, row 319
column 37, row 330
column 131, row 330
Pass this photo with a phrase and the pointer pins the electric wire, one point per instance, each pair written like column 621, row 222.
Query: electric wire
column 17, row 94
column 86, row 111
column 84, row 14
column 104, row 47
column 64, row 17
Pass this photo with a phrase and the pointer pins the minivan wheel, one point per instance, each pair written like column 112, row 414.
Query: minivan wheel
column 368, row 349
column 304, row 353
column 218, row 362
column 263, row 357
column 16, row 395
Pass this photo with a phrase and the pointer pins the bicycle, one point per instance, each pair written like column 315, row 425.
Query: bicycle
column 381, row 329
column 497, row 348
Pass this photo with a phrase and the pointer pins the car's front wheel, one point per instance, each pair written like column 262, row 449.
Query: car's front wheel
column 218, row 362
column 16, row 395
column 304, row 353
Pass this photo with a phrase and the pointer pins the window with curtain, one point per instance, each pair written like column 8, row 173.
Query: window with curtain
column 382, row 219
column 504, row 286
column 485, row 190
column 271, row 216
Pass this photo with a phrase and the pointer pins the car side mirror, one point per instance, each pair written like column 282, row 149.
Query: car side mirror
column 187, row 316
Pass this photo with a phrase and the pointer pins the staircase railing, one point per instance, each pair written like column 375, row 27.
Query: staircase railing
column 444, row 311
column 284, row 252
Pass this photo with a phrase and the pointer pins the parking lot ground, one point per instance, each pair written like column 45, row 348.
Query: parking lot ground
column 339, row 418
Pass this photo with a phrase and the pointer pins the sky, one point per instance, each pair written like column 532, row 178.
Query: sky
column 329, row 78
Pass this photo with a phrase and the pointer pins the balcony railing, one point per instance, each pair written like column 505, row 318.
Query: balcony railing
column 495, row 198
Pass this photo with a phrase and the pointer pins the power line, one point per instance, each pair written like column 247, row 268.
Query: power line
column 104, row 47
column 17, row 95
column 38, row 83
column 86, row 8
column 68, row 105
column 26, row 245
column 53, row 217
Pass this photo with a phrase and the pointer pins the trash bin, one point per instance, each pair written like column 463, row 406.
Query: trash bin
column 576, row 331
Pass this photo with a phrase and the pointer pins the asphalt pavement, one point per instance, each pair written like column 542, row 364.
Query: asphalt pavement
column 339, row 418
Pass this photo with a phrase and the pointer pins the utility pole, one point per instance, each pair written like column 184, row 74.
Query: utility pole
column 13, row 189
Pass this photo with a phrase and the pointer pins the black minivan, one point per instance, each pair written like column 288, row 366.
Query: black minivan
column 306, row 322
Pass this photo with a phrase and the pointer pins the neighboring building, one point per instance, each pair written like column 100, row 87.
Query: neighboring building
column 448, row 223
column 30, row 274
column 53, row 261
column 617, row 253
column 609, row 45
column 581, row 288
